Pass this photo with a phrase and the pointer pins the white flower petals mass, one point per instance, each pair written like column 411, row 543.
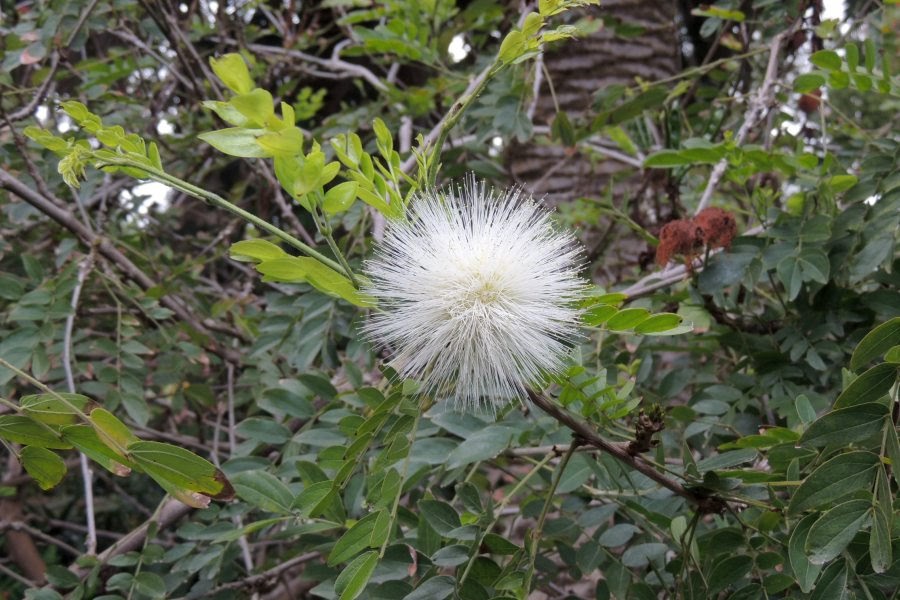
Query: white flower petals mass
column 477, row 294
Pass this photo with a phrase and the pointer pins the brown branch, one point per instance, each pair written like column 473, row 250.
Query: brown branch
column 166, row 516
column 108, row 251
column 621, row 452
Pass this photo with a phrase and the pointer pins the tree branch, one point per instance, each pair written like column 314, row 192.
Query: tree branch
column 620, row 451
column 106, row 249
column 756, row 112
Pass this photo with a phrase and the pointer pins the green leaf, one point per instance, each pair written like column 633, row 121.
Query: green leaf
column 851, row 51
column 598, row 315
column 871, row 54
column 728, row 572
column 181, row 468
column 846, row 425
column 233, row 72
column 321, row 277
column 639, row 556
column 60, row 408
column 805, row 571
column 86, row 440
column 842, row 475
column 664, row 159
column 875, row 344
column 892, row 448
column 257, row 105
column 868, row 387
column 46, row 139
column 255, row 251
column 315, row 498
column 482, row 445
column 286, row 142
column 263, row 430
column 651, row 98
column 880, row 551
column 353, row 579
column 442, row 517
column 150, row 584
column 842, row 183
column 618, row 535
column 226, row 112
column 660, row 323
column 831, row 533
column 20, row 429
column 354, row 540
column 808, row 82
column 383, row 138
column 719, row 13
column 263, row 490
column 833, row 583
column 340, row 197
column 236, row 141
column 111, row 431
column 44, row 466
column 826, row 59
column 436, row 588
column 513, row 47
column 627, row 318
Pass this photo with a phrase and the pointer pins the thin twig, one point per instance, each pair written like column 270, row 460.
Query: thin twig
column 262, row 579
column 13, row 575
column 756, row 111
column 87, row 477
column 334, row 64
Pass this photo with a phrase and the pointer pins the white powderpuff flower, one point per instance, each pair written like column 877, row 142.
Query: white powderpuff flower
column 477, row 294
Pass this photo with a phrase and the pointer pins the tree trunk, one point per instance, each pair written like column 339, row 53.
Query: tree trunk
column 578, row 70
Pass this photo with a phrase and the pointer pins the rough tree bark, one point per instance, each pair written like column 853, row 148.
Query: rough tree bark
column 577, row 71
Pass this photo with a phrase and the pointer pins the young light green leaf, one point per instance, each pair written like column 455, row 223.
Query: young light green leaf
column 233, row 72
column 44, row 466
column 512, row 47
column 236, row 141
column 288, row 142
column 340, row 197
column 255, row 251
column 321, row 277
column 257, row 105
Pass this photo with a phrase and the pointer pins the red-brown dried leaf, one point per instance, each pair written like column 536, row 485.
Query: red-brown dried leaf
column 678, row 237
column 717, row 227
